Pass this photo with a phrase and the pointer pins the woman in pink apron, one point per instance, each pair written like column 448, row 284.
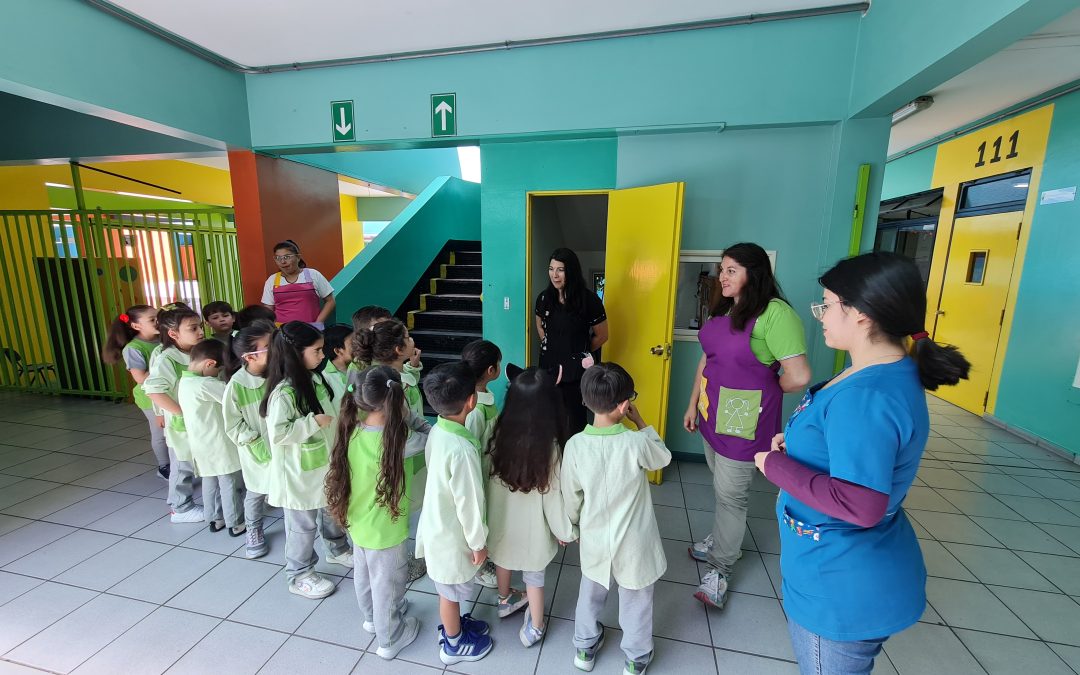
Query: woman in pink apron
column 737, row 397
column 297, row 292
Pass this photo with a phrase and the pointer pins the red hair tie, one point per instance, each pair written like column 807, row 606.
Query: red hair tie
column 124, row 318
column 919, row 336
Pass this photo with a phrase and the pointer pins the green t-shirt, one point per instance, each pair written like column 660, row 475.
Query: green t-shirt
column 778, row 334
column 370, row 524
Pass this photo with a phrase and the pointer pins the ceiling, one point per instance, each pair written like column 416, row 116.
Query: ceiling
column 1046, row 59
column 268, row 32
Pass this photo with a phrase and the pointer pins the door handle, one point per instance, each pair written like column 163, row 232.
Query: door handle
column 941, row 312
column 658, row 350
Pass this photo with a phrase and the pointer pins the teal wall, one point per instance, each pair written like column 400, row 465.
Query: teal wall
column 510, row 171
column 781, row 72
column 67, row 53
column 386, row 270
column 908, row 47
column 407, row 170
column 380, row 208
column 1036, row 392
column 909, row 174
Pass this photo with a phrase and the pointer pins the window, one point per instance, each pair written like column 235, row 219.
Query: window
column 976, row 267
column 997, row 194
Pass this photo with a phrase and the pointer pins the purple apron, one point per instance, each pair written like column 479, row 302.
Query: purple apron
column 740, row 404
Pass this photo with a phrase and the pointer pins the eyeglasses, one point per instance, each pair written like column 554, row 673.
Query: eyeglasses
column 284, row 258
column 633, row 397
column 254, row 353
column 819, row 309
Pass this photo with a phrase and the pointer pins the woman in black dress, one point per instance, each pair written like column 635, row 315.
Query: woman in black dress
column 571, row 322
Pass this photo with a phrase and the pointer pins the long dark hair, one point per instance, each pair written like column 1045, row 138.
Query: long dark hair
column 574, row 287
column 376, row 388
column 531, row 426
column 379, row 343
column 244, row 342
column 761, row 286
column 285, row 362
column 170, row 319
column 121, row 333
column 290, row 245
column 888, row 288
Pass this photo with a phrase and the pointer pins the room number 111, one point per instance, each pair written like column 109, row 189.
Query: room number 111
column 1013, row 140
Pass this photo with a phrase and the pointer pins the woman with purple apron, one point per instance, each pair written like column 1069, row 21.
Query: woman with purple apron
column 737, row 398
column 297, row 292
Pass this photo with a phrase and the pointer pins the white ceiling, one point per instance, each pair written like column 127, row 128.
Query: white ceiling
column 268, row 32
column 1046, row 59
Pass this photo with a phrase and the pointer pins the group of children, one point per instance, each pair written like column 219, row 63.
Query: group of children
column 329, row 426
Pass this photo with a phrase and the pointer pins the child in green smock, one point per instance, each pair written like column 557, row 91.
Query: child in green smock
column 607, row 497
column 300, row 411
column 337, row 349
column 181, row 329
column 215, row 458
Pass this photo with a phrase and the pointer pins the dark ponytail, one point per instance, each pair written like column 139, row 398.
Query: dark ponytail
column 121, row 333
column 379, row 344
column 285, row 363
column 479, row 355
column 888, row 288
column 244, row 342
column 377, row 388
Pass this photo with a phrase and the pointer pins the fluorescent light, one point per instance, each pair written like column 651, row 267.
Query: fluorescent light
column 59, row 185
column 164, row 199
column 1020, row 185
column 918, row 105
column 469, row 159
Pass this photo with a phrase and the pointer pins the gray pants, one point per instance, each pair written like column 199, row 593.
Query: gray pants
column 223, row 498
column 157, row 439
column 300, row 527
column 635, row 618
column 181, row 489
column 731, row 485
column 379, row 577
column 254, row 507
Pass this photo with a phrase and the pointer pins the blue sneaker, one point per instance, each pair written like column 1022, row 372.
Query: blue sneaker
column 474, row 626
column 469, row 647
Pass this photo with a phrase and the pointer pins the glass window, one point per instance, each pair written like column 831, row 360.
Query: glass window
column 976, row 267
column 1005, row 193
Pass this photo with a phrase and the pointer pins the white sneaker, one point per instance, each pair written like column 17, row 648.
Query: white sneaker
column 192, row 515
column 700, row 550
column 345, row 559
column 713, row 589
column 485, row 576
column 411, row 630
column 312, row 586
column 369, row 626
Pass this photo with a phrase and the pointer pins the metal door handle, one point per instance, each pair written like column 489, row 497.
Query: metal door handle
column 658, row 350
column 941, row 312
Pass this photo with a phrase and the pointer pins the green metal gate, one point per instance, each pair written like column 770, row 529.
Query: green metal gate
column 65, row 275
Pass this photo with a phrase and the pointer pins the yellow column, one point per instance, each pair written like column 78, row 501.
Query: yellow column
column 352, row 230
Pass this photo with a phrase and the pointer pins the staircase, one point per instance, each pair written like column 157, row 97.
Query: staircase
column 449, row 316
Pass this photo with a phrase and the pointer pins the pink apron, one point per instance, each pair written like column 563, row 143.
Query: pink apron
column 298, row 301
column 740, row 406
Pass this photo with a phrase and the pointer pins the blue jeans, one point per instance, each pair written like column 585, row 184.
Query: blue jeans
column 821, row 656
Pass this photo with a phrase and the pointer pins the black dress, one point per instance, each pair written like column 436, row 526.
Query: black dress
column 567, row 338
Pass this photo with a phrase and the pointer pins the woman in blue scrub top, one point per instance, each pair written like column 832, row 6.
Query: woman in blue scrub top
column 853, row 571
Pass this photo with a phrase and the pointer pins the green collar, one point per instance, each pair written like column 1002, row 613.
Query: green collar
column 458, row 430
column 188, row 373
column 605, row 431
column 330, row 367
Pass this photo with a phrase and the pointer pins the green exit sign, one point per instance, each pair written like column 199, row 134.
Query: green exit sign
column 342, row 122
column 443, row 115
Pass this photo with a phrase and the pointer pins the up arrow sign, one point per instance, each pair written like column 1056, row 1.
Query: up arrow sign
column 443, row 115
column 342, row 121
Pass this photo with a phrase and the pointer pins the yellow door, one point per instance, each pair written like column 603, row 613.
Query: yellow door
column 644, row 228
column 976, row 286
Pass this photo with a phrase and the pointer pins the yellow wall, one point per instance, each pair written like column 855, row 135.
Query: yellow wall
column 352, row 230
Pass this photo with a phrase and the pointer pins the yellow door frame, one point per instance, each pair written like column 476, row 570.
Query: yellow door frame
column 530, row 293
column 969, row 158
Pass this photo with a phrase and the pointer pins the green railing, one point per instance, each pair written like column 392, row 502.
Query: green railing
column 65, row 275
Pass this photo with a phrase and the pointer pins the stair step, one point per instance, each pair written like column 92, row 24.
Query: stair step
column 432, row 359
column 443, row 341
column 447, row 320
column 462, row 271
column 467, row 258
column 457, row 286
column 454, row 303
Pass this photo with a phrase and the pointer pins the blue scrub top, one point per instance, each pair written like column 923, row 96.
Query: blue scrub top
column 842, row 581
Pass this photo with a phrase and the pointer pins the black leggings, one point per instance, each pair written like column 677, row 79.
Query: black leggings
column 576, row 414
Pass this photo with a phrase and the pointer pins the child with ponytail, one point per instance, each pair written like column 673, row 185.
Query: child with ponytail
column 367, row 490
column 133, row 338
column 181, row 329
column 247, row 428
column 299, row 411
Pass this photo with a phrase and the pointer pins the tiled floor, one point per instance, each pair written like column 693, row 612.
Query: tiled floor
column 94, row 578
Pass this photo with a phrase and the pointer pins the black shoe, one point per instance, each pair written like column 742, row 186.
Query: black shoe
column 163, row 472
column 238, row 531
column 217, row 525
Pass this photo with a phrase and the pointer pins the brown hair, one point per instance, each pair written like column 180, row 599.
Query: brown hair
column 377, row 388
column 379, row 344
column 121, row 332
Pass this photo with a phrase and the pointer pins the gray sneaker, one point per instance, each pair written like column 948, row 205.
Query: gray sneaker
column 585, row 659
column 637, row 667
column 713, row 589
column 485, row 576
column 256, row 543
column 529, row 634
